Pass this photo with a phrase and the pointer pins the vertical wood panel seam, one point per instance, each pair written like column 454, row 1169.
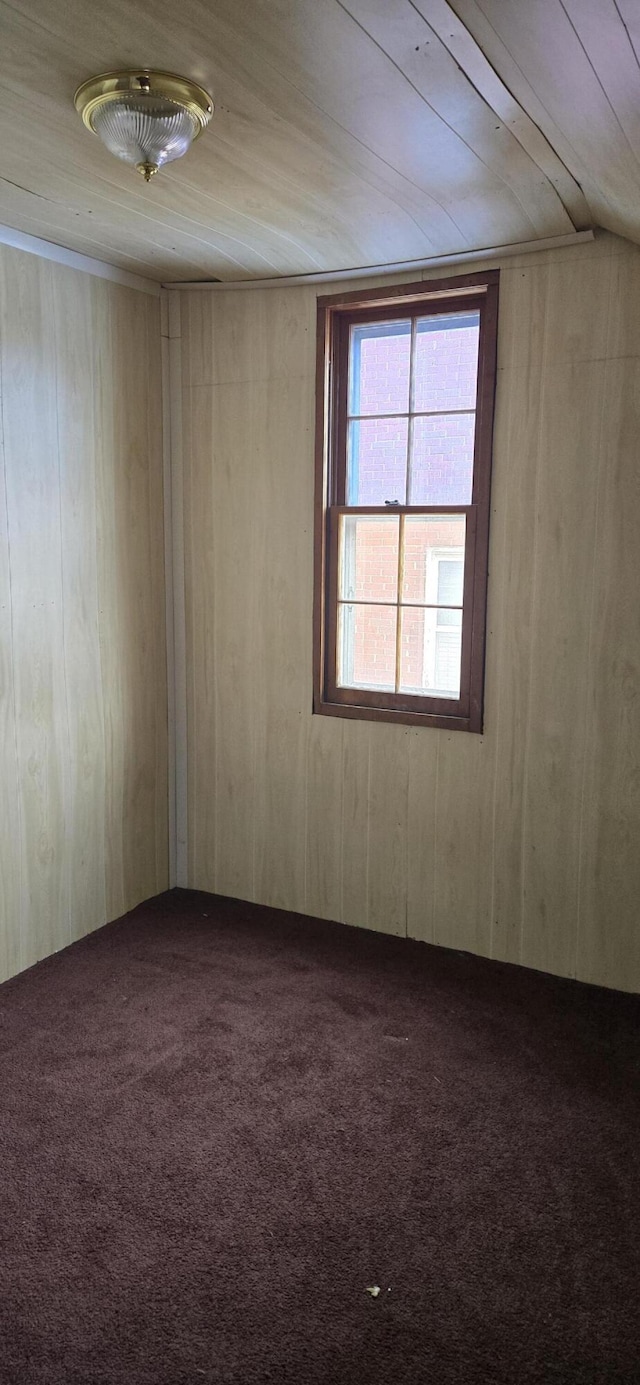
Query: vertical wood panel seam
column 96, row 456
column 162, row 736
column 534, row 578
column 305, row 838
column 592, row 598
column 504, row 400
column 95, row 314
column 500, row 627
column 178, row 582
column 65, row 778
column 168, row 578
column 257, row 701
column 211, row 501
column 12, row 663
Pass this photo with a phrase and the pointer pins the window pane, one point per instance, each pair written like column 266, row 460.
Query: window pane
column 429, row 656
column 446, row 362
column 379, row 368
column 367, row 647
column 450, row 581
column 368, row 558
column 442, row 460
column 377, row 461
column 433, row 568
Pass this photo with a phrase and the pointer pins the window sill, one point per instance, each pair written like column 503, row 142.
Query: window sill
column 403, row 718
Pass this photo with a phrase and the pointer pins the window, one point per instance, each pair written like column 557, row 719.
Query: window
column 405, row 388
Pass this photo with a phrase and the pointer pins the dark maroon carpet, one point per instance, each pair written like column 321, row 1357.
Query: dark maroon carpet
column 222, row 1124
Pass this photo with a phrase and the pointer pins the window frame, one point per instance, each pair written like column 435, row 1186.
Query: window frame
column 336, row 314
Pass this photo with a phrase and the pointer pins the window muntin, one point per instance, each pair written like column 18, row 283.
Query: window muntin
column 403, row 526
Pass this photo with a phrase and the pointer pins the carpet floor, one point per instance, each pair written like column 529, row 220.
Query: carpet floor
column 222, row 1126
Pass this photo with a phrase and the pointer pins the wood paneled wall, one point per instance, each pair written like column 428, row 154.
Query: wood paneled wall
column 520, row 844
column 83, row 722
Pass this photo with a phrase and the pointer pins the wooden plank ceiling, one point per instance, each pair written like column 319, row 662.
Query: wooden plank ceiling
column 347, row 132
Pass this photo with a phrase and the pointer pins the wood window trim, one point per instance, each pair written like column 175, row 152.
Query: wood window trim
column 335, row 314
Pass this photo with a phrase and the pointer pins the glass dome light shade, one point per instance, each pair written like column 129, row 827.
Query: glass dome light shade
column 145, row 118
column 145, row 130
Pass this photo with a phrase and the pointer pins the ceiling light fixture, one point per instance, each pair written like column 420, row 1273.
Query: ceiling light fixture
column 146, row 118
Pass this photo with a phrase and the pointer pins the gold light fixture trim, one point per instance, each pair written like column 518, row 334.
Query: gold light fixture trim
column 153, row 105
